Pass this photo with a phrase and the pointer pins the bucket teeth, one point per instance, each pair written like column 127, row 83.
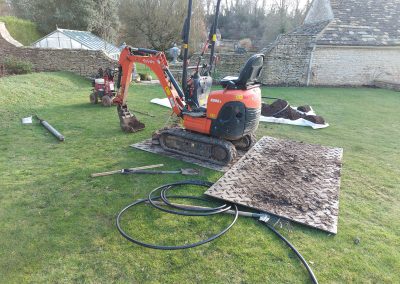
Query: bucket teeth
column 129, row 123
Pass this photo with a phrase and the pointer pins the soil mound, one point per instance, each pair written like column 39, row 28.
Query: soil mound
column 281, row 109
column 315, row 119
column 275, row 108
column 305, row 108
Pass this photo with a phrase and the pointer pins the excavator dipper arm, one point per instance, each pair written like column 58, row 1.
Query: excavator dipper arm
column 158, row 63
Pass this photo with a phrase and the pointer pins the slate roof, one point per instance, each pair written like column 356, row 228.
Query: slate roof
column 359, row 23
column 310, row 29
column 90, row 40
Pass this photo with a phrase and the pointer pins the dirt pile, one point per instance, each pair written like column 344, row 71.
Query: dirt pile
column 282, row 109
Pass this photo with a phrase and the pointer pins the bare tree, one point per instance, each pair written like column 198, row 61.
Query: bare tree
column 158, row 23
column 104, row 22
column 209, row 6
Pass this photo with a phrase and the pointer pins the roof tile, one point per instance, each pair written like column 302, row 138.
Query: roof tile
column 367, row 22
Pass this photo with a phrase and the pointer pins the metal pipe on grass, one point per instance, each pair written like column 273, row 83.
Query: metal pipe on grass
column 51, row 129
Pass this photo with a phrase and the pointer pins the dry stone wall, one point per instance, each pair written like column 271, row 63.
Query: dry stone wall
column 387, row 85
column 287, row 60
column 79, row 61
column 354, row 66
column 228, row 64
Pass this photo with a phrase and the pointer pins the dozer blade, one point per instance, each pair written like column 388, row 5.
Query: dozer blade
column 129, row 123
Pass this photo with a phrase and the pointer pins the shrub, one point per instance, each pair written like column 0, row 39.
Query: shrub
column 17, row 66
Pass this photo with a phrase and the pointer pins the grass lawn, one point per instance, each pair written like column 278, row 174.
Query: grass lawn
column 21, row 30
column 58, row 225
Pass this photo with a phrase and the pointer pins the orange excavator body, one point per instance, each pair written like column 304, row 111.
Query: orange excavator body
column 250, row 97
column 228, row 119
column 215, row 123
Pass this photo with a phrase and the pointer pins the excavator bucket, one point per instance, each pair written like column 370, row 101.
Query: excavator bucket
column 129, row 123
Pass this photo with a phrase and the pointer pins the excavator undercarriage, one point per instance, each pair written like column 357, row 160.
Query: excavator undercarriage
column 195, row 145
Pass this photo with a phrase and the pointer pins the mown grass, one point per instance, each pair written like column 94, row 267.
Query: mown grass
column 58, row 225
column 21, row 30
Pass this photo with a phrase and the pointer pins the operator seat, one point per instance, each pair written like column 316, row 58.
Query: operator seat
column 248, row 75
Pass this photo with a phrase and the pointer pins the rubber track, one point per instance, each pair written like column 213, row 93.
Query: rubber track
column 199, row 138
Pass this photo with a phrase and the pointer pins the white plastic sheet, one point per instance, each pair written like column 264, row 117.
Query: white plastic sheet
column 162, row 102
column 300, row 122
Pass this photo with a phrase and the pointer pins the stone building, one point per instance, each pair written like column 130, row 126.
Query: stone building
column 341, row 42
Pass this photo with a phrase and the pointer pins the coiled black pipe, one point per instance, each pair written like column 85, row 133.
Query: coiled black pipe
column 198, row 211
column 185, row 213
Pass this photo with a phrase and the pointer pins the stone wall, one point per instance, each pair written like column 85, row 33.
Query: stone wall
column 228, row 64
column 287, row 60
column 79, row 61
column 387, row 85
column 354, row 66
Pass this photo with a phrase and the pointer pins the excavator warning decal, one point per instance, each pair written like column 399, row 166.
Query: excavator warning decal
column 167, row 91
column 239, row 97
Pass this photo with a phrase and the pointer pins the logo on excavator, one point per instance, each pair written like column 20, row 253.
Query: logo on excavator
column 216, row 101
column 148, row 61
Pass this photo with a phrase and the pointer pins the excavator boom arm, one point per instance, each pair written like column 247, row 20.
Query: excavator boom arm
column 158, row 63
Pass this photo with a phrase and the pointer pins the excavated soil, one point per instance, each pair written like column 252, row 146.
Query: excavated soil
column 274, row 108
column 315, row 119
column 281, row 109
column 305, row 108
column 290, row 113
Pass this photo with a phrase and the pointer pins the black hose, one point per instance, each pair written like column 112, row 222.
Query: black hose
column 185, row 211
column 162, row 247
column 310, row 272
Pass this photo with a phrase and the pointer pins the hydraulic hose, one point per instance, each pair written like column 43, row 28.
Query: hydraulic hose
column 186, row 211
column 163, row 247
column 189, row 210
column 310, row 272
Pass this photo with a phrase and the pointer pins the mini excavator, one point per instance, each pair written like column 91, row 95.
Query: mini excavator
column 215, row 124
